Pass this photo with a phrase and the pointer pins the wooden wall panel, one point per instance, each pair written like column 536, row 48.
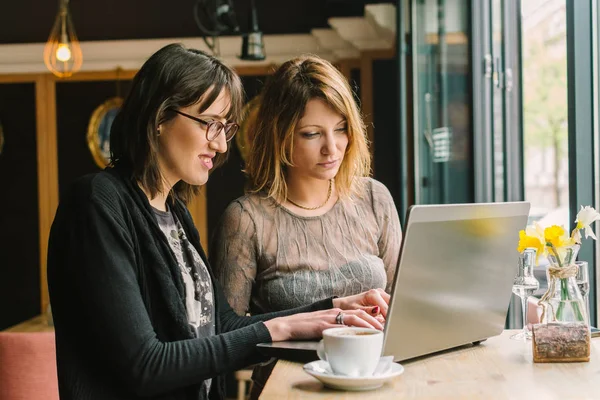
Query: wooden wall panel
column 19, row 224
column 47, row 170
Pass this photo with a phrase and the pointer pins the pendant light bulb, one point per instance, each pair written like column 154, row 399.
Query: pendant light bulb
column 62, row 52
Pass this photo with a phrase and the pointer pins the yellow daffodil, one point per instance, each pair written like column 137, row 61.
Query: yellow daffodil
column 585, row 217
column 530, row 241
column 555, row 236
column 554, row 241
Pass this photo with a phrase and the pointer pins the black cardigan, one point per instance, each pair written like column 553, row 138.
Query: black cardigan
column 118, row 302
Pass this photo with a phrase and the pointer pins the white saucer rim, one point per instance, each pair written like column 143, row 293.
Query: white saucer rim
column 397, row 369
column 366, row 386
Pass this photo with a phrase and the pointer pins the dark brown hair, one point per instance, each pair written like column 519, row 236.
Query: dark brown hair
column 174, row 77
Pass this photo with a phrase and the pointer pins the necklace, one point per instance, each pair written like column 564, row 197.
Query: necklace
column 317, row 207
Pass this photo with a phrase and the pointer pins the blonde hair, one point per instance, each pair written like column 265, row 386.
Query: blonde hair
column 283, row 101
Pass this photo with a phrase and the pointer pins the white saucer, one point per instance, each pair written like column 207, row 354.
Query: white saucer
column 320, row 369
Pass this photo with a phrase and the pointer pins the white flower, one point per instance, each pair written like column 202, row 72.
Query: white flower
column 585, row 217
column 536, row 231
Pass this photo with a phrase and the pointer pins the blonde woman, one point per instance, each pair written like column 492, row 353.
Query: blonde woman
column 313, row 225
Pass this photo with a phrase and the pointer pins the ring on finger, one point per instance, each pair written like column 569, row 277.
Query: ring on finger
column 339, row 319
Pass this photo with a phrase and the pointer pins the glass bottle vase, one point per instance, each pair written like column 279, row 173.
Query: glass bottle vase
column 563, row 301
column 524, row 285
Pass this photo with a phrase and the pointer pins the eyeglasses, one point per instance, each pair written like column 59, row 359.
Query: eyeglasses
column 214, row 128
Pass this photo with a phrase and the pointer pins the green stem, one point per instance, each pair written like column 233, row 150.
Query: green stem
column 555, row 254
column 566, row 297
column 578, row 312
column 564, row 291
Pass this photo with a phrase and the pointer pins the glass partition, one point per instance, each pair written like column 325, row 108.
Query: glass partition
column 442, row 101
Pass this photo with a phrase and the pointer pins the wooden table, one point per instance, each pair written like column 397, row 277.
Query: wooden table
column 499, row 368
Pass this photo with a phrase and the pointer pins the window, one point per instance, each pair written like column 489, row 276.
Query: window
column 545, row 111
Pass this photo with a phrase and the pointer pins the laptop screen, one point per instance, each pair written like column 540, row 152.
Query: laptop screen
column 453, row 284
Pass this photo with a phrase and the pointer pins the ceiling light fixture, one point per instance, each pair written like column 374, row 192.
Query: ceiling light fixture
column 62, row 52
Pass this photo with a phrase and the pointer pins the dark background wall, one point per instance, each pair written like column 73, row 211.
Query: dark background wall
column 227, row 182
column 75, row 103
column 385, row 126
column 19, row 230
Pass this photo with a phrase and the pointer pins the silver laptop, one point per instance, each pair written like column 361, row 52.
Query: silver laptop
column 454, row 281
column 453, row 284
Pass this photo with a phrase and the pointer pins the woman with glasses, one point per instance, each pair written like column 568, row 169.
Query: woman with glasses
column 313, row 225
column 136, row 309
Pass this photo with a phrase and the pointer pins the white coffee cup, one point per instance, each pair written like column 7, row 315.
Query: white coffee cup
column 351, row 351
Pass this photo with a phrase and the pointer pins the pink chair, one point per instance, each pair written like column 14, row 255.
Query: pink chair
column 28, row 366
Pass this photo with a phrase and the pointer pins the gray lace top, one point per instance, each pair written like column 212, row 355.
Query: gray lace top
column 268, row 258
